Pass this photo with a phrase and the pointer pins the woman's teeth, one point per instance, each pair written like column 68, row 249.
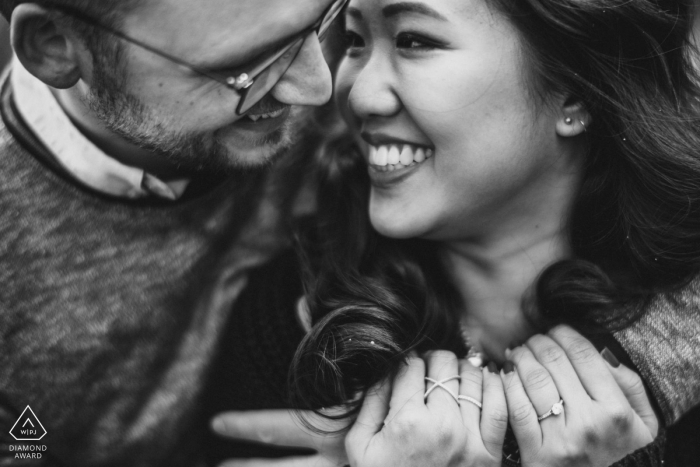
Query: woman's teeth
column 274, row 114
column 394, row 157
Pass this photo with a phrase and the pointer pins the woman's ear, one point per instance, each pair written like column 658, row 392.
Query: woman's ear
column 45, row 46
column 574, row 119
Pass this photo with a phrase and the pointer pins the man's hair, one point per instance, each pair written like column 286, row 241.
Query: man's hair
column 105, row 10
column 103, row 45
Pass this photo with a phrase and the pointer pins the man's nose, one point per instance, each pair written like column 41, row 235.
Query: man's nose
column 308, row 80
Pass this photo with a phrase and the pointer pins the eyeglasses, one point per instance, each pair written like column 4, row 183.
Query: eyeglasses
column 251, row 86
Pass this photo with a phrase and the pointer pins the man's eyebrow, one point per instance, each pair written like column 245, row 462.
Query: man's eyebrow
column 251, row 56
column 411, row 7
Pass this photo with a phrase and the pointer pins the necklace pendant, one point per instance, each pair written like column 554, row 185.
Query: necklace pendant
column 475, row 357
column 476, row 360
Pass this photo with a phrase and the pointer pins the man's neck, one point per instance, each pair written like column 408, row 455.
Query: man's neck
column 108, row 141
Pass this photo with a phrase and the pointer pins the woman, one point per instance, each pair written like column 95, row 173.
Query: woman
column 530, row 163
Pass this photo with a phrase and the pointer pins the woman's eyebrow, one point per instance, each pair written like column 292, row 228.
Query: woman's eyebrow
column 411, row 7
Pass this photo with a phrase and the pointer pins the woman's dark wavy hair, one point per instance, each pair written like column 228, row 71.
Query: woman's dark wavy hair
column 635, row 226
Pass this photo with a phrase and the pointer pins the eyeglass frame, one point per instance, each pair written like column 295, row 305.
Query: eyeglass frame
column 241, row 83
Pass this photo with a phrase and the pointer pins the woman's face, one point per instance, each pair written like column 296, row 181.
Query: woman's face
column 457, row 142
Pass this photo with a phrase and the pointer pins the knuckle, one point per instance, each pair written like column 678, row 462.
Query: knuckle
column 572, row 453
column 551, row 354
column 590, row 434
column 407, row 425
column 520, row 416
column 498, row 419
column 620, row 418
column 582, row 351
column 537, row 379
column 444, row 437
column 266, row 436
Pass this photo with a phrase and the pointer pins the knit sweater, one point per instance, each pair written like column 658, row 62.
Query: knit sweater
column 111, row 311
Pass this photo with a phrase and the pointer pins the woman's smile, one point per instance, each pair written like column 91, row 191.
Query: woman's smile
column 441, row 85
column 392, row 160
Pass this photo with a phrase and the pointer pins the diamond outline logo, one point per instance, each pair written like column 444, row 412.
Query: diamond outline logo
column 28, row 419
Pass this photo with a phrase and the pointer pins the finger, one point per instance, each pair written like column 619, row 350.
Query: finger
column 442, row 366
column 304, row 461
column 633, row 388
column 556, row 361
column 539, row 385
column 409, row 384
column 278, row 427
column 494, row 413
column 471, row 387
column 588, row 364
column 372, row 415
column 521, row 413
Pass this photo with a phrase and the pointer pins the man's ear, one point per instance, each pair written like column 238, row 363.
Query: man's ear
column 45, row 46
column 574, row 118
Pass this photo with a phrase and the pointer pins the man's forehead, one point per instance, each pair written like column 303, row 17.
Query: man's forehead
column 213, row 27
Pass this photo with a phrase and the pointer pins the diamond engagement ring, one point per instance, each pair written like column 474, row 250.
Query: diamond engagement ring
column 556, row 409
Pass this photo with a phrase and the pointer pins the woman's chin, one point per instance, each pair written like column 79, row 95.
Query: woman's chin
column 398, row 227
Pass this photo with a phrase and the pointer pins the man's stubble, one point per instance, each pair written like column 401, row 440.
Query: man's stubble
column 128, row 117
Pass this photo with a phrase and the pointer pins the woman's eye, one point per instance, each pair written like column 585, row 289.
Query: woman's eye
column 413, row 41
column 353, row 40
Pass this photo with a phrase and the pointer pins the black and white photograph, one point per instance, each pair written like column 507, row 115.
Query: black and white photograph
column 349, row 233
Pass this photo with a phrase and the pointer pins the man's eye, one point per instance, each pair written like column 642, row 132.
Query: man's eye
column 353, row 40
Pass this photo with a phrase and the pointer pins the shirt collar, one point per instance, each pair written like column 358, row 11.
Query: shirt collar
column 75, row 152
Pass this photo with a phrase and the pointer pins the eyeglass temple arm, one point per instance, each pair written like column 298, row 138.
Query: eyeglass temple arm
column 93, row 22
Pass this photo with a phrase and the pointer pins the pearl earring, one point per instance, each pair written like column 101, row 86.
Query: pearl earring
column 568, row 120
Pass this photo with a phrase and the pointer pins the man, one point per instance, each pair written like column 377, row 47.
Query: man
column 134, row 201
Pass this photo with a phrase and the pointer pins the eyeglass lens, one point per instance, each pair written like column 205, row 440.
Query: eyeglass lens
column 273, row 71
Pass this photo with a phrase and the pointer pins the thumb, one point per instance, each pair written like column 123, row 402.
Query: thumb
column 634, row 390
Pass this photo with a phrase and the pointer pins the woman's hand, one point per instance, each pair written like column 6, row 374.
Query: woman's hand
column 397, row 426
column 606, row 413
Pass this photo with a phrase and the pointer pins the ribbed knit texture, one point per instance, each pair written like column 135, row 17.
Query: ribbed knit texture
column 651, row 455
column 665, row 347
column 110, row 312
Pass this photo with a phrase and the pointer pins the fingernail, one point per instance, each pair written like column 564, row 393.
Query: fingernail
column 609, row 357
column 493, row 368
column 508, row 367
column 218, row 425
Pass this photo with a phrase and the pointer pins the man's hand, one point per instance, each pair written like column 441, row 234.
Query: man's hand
column 283, row 428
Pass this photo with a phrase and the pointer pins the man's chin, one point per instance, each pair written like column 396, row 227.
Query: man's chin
column 262, row 155
column 247, row 149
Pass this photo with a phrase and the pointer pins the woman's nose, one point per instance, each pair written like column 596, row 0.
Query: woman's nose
column 308, row 80
column 373, row 93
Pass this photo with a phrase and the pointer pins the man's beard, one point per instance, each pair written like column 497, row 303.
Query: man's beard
column 192, row 153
